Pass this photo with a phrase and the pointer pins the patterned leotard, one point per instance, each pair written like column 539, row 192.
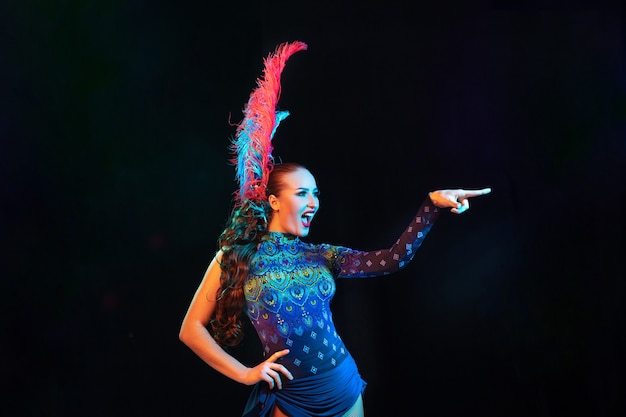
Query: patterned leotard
column 288, row 293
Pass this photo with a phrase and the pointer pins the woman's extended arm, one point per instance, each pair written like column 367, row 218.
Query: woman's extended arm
column 349, row 263
column 194, row 334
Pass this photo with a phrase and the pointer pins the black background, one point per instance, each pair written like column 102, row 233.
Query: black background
column 115, row 118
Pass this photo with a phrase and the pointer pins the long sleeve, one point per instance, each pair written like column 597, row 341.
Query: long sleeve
column 350, row 263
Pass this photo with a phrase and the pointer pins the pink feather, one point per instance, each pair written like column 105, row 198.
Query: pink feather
column 252, row 146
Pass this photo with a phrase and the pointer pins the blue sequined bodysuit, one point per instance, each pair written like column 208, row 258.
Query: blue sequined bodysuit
column 288, row 293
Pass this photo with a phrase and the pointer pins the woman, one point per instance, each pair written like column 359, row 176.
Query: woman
column 284, row 285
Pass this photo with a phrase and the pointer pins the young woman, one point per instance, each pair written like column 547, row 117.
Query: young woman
column 284, row 285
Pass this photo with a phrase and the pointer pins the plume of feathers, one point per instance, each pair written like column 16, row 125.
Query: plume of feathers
column 251, row 148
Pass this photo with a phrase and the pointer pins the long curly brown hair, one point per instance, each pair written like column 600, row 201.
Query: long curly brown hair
column 245, row 228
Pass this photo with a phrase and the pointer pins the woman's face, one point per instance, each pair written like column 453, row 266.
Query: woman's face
column 296, row 204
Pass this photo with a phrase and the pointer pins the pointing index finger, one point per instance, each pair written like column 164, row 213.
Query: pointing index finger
column 475, row 193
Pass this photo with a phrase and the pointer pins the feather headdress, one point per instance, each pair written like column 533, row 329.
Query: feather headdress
column 252, row 145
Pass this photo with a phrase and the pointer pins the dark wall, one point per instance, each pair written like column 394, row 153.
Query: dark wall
column 115, row 118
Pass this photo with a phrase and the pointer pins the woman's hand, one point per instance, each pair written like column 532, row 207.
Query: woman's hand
column 456, row 199
column 269, row 371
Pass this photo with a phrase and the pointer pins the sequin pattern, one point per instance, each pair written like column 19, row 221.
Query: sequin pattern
column 291, row 285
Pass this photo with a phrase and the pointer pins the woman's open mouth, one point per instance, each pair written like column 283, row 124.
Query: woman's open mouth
column 306, row 219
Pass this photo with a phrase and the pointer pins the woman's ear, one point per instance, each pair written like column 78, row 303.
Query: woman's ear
column 273, row 200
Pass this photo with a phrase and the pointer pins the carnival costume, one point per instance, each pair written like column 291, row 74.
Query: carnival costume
column 291, row 283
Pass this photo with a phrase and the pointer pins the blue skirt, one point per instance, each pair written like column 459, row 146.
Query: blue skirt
column 330, row 394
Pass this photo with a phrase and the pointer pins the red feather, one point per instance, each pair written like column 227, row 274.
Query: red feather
column 252, row 146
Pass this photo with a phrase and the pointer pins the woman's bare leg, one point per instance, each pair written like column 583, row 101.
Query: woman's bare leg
column 355, row 411
column 277, row 412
